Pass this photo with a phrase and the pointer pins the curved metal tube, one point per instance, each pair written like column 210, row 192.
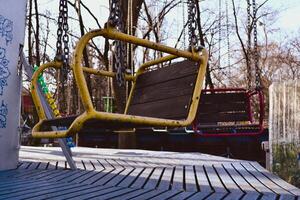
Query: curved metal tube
column 91, row 113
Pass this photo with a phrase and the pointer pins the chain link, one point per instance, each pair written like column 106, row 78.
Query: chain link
column 249, row 61
column 227, row 36
column 115, row 20
column 62, row 47
column 192, row 11
column 256, row 56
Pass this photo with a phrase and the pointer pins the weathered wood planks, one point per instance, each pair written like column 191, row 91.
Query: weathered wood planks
column 124, row 174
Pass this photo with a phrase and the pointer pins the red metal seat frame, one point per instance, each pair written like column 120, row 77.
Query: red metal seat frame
column 250, row 94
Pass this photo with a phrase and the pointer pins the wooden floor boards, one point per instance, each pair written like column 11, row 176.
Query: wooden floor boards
column 42, row 173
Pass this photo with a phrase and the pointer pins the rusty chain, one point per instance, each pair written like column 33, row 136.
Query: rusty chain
column 115, row 20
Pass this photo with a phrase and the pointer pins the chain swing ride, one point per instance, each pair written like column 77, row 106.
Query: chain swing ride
column 223, row 111
column 154, row 100
column 143, row 102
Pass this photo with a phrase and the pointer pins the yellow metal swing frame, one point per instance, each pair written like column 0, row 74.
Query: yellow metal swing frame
column 90, row 113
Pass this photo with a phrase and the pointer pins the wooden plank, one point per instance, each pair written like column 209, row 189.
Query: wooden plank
column 46, row 193
column 96, row 177
column 43, row 165
column 234, row 191
column 149, row 194
column 14, row 182
column 174, row 71
column 129, row 180
column 80, row 165
column 215, row 181
column 59, row 194
column 250, row 192
column 12, row 173
column 202, row 180
column 190, row 179
column 85, row 178
column 88, row 165
column 153, row 180
column 128, row 175
column 28, row 190
column 96, row 193
column 121, row 192
column 183, row 195
column 132, row 194
column 163, row 108
column 63, row 176
column 28, row 173
column 222, row 117
column 48, row 176
column 52, row 165
column 117, row 169
column 268, row 183
column 216, row 195
column 288, row 187
column 78, row 177
column 165, row 182
column 222, row 107
column 126, row 171
column 258, row 186
column 178, row 179
column 18, row 184
column 25, row 165
column 141, row 180
column 78, row 194
column 45, row 174
column 200, row 195
column 173, row 88
column 34, row 165
column 166, row 195
column 98, row 166
column 219, row 98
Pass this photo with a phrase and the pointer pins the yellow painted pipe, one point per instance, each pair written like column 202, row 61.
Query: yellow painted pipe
column 91, row 113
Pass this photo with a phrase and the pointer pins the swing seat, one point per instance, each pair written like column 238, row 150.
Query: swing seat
column 228, row 112
column 160, row 97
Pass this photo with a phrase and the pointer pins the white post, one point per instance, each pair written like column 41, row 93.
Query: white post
column 12, row 28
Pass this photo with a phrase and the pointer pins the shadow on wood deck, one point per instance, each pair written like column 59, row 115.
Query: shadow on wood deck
column 137, row 174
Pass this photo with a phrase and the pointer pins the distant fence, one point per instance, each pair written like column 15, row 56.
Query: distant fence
column 284, row 130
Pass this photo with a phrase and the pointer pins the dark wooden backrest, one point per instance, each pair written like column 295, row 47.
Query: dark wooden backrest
column 223, row 107
column 165, row 92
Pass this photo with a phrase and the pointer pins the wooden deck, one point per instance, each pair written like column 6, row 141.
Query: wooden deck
column 136, row 174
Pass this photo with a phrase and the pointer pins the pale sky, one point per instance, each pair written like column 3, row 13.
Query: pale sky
column 287, row 20
column 289, row 15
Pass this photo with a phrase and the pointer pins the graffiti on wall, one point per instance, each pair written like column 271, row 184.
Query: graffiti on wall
column 6, row 35
column 4, row 71
column 6, row 29
column 3, row 114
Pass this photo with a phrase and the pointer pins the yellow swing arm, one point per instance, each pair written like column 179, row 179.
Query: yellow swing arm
column 90, row 112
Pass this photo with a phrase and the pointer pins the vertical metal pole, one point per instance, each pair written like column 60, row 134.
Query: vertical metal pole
column 62, row 142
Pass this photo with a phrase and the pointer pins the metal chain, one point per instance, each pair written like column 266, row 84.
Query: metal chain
column 192, row 10
column 62, row 48
column 115, row 20
column 220, row 33
column 249, row 43
column 256, row 56
column 227, row 35
column 66, row 35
